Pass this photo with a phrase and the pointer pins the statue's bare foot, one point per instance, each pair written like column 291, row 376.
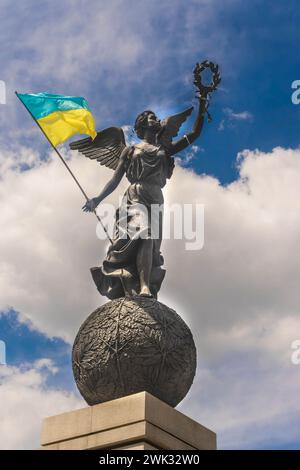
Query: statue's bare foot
column 145, row 292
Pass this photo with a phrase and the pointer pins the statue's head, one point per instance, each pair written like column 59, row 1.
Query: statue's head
column 145, row 121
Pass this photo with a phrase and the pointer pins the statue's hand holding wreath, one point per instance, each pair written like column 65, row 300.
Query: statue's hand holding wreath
column 204, row 91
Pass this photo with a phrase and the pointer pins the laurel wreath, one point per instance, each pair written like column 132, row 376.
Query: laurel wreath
column 203, row 92
column 216, row 77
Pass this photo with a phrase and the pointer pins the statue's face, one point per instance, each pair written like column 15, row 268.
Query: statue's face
column 153, row 122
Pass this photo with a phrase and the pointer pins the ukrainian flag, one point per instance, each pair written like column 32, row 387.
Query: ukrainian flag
column 60, row 116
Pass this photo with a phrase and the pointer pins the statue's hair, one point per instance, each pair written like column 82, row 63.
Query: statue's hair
column 140, row 123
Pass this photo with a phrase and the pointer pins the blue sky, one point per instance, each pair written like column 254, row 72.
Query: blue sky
column 24, row 344
column 255, row 43
column 124, row 57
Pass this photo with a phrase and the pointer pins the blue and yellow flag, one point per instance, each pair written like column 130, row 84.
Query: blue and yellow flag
column 60, row 116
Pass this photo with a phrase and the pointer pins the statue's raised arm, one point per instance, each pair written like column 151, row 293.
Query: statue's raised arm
column 172, row 124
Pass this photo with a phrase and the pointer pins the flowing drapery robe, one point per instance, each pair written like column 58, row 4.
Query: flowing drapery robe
column 140, row 216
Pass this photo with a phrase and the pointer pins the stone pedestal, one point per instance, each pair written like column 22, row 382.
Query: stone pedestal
column 136, row 422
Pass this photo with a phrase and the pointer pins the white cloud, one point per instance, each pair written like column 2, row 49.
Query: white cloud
column 17, row 160
column 248, row 402
column 43, row 257
column 112, row 52
column 187, row 156
column 233, row 117
column 26, row 400
column 116, row 34
column 241, row 116
column 239, row 294
column 245, row 269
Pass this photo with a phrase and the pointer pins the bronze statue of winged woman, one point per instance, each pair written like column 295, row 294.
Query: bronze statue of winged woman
column 133, row 264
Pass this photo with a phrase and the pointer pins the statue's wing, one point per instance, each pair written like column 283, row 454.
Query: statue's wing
column 106, row 148
column 171, row 125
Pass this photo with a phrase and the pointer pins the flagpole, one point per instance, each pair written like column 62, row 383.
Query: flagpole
column 65, row 164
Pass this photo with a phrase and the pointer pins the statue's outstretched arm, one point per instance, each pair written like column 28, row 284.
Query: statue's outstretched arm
column 190, row 137
column 112, row 184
